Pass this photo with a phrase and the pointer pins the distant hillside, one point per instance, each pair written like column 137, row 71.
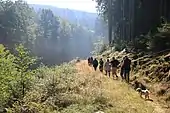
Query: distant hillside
column 74, row 16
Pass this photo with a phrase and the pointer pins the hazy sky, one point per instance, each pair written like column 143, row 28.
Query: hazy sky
column 84, row 5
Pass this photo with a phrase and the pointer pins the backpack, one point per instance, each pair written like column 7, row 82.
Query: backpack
column 126, row 63
column 115, row 63
column 95, row 63
column 101, row 62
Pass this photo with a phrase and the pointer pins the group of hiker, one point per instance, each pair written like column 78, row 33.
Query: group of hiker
column 111, row 66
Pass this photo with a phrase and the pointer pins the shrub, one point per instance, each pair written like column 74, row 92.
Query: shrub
column 60, row 89
column 7, row 75
column 159, row 42
column 140, row 44
column 119, row 44
column 15, row 75
column 154, row 41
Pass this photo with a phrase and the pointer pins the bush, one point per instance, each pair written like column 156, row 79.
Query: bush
column 140, row 44
column 119, row 44
column 7, row 75
column 60, row 89
column 153, row 41
column 15, row 75
column 159, row 42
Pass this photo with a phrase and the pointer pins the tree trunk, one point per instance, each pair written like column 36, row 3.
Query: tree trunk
column 129, row 21
column 132, row 19
column 123, row 4
column 110, row 22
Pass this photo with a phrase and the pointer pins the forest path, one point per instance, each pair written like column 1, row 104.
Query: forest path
column 126, row 99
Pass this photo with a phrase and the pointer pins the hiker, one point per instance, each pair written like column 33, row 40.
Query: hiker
column 101, row 65
column 126, row 68
column 107, row 67
column 95, row 64
column 122, row 69
column 114, row 64
column 89, row 60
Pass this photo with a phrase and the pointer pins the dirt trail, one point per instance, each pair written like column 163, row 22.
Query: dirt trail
column 109, row 85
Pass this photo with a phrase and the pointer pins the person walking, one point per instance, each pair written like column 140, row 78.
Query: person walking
column 101, row 65
column 95, row 64
column 89, row 60
column 114, row 64
column 107, row 67
column 126, row 66
column 122, row 69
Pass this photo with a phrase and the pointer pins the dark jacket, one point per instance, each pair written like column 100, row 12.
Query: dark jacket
column 89, row 59
column 95, row 63
column 114, row 63
column 126, row 64
column 101, row 62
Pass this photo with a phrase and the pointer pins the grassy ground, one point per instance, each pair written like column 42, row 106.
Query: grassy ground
column 77, row 88
column 121, row 97
column 153, row 71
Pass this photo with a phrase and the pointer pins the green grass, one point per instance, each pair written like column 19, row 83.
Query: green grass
column 63, row 90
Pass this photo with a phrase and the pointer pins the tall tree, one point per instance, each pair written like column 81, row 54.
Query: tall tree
column 132, row 18
column 16, row 22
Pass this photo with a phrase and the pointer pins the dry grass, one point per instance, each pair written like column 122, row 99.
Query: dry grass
column 124, row 98
column 121, row 97
column 64, row 90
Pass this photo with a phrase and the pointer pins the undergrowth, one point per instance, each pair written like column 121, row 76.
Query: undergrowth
column 60, row 90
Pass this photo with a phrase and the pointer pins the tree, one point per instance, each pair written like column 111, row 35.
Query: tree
column 48, row 24
column 7, row 75
column 101, row 27
column 16, row 23
column 23, row 63
column 16, row 75
column 131, row 18
column 46, row 35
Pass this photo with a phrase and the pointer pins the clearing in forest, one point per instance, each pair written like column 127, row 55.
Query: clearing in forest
column 122, row 98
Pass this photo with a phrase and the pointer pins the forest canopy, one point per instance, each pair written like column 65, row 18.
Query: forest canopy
column 44, row 33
